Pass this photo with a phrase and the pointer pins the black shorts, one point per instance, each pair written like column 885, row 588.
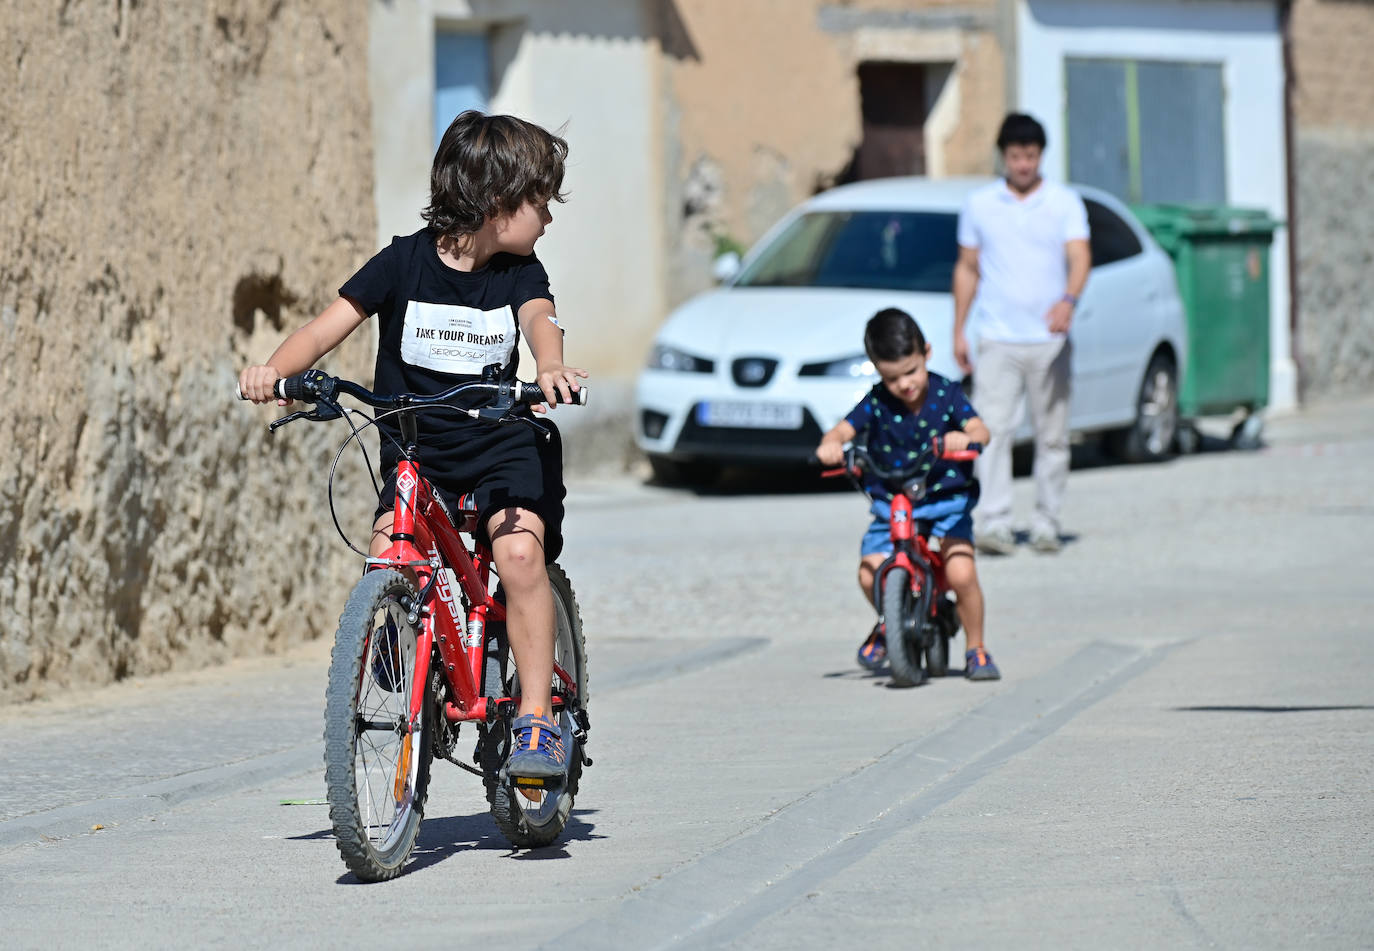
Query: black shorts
column 505, row 466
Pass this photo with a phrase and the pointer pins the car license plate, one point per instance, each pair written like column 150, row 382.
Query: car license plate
column 750, row 415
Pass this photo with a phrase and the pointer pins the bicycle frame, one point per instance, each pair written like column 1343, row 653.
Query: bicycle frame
column 907, row 543
column 427, row 542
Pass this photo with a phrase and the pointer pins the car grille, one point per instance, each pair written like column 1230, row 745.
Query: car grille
column 753, row 371
column 745, row 444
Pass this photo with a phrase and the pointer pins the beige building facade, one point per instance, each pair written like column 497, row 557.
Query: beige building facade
column 693, row 124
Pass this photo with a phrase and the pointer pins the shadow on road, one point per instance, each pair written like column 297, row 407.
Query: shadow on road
column 1265, row 709
column 443, row 836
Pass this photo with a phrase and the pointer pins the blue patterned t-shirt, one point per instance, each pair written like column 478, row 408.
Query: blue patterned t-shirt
column 895, row 435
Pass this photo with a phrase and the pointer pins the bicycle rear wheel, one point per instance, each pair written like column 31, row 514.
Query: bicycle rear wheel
column 376, row 764
column 942, row 628
column 903, row 614
column 535, row 818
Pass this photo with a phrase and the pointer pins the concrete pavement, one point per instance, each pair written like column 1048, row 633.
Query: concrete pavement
column 1178, row 756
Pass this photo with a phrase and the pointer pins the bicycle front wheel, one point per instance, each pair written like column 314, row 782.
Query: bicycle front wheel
column 903, row 614
column 376, row 761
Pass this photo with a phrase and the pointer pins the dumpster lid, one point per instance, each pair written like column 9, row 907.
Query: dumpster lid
column 1177, row 219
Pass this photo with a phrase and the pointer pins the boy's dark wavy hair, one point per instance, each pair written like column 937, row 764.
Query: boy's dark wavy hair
column 892, row 335
column 487, row 166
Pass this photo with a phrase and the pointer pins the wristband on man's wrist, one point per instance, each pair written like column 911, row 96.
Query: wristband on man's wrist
column 1070, row 300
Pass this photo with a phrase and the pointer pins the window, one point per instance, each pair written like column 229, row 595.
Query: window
column 462, row 77
column 1111, row 239
column 888, row 250
column 1147, row 131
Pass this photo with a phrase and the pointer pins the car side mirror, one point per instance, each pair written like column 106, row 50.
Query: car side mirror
column 725, row 267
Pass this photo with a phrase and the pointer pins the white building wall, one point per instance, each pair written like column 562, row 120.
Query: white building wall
column 594, row 76
column 1241, row 35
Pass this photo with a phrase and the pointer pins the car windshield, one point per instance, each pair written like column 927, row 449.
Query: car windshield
column 885, row 250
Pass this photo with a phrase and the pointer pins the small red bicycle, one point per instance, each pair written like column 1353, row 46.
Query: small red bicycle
column 909, row 587
column 421, row 649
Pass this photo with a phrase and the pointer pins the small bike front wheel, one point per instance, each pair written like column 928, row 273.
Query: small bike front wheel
column 903, row 614
column 535, row 818
column 376, row 761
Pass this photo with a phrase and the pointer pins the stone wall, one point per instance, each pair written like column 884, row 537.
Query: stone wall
column 1334, row 112
column 1335, row 260
column 181, row 185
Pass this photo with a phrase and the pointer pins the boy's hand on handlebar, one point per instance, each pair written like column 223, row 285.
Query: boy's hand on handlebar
column 955, row 441
column 557, row 381
column 257, row 384
column 830, row 452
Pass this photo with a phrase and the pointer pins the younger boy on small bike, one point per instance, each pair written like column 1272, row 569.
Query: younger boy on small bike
column 450, row 299
column 898, row 420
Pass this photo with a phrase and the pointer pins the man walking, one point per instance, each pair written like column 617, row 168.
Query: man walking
column 1023, row 261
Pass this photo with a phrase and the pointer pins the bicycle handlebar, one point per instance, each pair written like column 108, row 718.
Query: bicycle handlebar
column 312, row 386
column 859, row 460
column 318, row 387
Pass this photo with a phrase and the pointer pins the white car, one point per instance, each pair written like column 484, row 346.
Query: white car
column 755, row 371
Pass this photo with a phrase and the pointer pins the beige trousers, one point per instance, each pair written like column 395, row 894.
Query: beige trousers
column 1005, row 372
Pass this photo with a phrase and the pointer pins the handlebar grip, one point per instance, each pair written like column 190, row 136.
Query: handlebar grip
column 529, row 394
column 290, row 387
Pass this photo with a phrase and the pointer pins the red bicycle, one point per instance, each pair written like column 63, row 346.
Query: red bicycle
column 909, row 587
column 421, row 649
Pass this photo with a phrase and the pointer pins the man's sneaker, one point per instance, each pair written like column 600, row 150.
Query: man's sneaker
column 386, row 657
column 537, row 749
column 1044, row 540
column 873, row 651
column 997, row 541
column 978, row 665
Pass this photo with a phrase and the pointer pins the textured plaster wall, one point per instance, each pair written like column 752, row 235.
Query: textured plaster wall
column 1334, row 109
column 180, row 185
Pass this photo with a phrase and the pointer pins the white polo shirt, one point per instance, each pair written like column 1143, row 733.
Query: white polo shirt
column 1022, row 267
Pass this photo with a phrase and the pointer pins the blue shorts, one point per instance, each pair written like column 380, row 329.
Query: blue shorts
column 953, row 518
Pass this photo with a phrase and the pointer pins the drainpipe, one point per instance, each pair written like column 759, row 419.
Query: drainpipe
column 1290, row 82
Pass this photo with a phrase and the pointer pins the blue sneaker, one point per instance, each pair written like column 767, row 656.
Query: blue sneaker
column 978, row 665
column 873, row 651
column 386, row 657
column 537, row 749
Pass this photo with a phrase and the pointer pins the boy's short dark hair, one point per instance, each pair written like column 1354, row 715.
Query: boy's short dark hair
column 487, row 166
column 892, row 335
column 1020, row 129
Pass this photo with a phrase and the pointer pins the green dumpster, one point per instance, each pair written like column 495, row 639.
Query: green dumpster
column 1221, row 258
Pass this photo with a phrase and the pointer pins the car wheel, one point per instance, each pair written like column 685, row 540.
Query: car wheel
column 673, row 472
column 1151, row 437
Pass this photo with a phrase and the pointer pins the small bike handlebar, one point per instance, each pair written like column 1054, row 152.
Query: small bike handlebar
column 861, row 460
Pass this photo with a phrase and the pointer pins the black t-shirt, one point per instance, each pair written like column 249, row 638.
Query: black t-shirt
column 438, row 326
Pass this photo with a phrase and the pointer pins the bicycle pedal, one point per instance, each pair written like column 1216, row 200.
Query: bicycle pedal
column 536, row 782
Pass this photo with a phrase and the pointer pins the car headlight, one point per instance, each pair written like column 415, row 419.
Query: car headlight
column 851, row 368
column 663, row 357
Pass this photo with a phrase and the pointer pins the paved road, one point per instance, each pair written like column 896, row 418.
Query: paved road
column 1180, row 754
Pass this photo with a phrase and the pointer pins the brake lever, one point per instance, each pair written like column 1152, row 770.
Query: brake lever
column 322, row 411
column 533, row 423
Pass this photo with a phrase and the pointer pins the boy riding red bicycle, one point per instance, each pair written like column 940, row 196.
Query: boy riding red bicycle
column 899, row 420
column 452, row 300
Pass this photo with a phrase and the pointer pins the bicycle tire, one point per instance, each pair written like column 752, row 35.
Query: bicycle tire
column 376, row 787
column 942, row 627
column 902, row 614
column 528, row 824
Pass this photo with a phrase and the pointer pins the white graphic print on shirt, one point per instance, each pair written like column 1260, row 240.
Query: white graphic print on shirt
column 451, row 338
